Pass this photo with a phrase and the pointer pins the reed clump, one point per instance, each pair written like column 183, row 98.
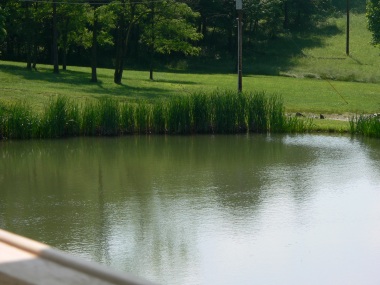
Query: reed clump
column 365, row 125
column 217, row 112
column 18, row 122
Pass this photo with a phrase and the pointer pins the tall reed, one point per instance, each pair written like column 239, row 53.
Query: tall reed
column 109, row 117
column 19, row 123
column 201, row 113
column 368, row 126
column 159, row 114
column 216, row 112
column 2, row 120
column 128, row 118
column 276, row 114
column 60, row 119
column 179, row 115
column 257, row 113
column 143, row 118
column 90, row 119
column 229, row 112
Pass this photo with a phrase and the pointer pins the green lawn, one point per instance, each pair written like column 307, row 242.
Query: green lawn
column 327, row 58
column 299, row 94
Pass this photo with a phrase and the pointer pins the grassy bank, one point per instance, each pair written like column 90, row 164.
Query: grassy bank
column 218, row 112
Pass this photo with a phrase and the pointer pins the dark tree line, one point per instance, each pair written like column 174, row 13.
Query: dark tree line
column 116, row 32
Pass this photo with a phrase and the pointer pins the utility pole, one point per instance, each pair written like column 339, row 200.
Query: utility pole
column 348, row 28
column 239, row 9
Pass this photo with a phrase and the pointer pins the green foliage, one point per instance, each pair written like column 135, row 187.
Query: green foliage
column 170, row 27
column 72, row 20
column 265, row 16
column 3, row 32
column 373, row 16
column 104, row 17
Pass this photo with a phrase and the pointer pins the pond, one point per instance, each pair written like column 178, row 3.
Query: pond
column 255, row 209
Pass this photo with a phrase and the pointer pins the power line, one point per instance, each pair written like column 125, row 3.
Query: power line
column 93, row 3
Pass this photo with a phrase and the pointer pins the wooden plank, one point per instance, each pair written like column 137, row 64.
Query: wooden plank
column 24, row 261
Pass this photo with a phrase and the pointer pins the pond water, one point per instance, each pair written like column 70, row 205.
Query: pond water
column 257, row 209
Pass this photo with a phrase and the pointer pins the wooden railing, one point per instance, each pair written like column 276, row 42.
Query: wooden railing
column 24, row 262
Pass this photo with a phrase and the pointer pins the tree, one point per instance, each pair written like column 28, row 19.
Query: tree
column 71, row 27
column 126, row 18
column 34, row 16
column 55, row 38
column 102, row 20
column 170, row 28
column 300, row 14
column 3, row 32
column 373, row 17
column 264, row 17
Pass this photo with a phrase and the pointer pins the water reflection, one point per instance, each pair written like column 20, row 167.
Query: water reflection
column 203, row 210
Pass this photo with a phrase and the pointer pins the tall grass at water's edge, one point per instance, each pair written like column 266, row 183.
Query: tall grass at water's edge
column 217, row 112
column 366, row 125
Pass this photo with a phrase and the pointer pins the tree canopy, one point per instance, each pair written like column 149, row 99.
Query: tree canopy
column 119, row 31
column 373, row 16
column 3, row 33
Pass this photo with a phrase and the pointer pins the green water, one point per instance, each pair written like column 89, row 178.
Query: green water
column 205, row 209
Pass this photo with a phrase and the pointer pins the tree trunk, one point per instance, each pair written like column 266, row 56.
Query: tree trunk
column 121, row 35
column 65, row 44
column 152, row 42
column 28, row 29
column 119, row 56
column 94, row 77
column 122, row 41
column 55, row 38
column 151, row 67
column 64, row 59
column 29, row 55
column 35, row 55
column 286, row 15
